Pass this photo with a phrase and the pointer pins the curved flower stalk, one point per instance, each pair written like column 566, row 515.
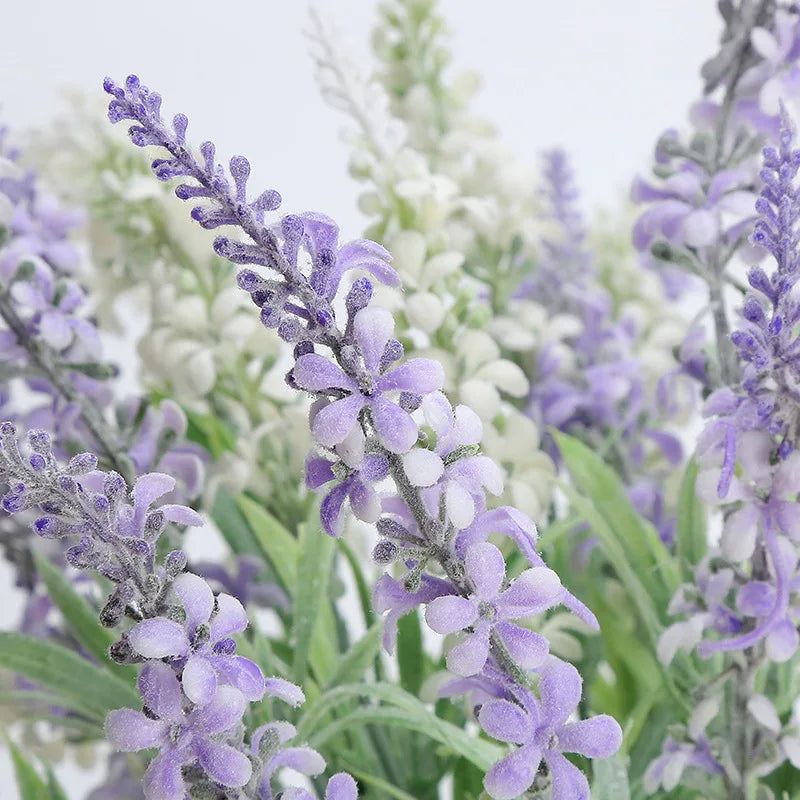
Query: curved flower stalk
column 437, row 219
column 195, row 689
column 201, row 345
column 357, row 413
column 592, row 381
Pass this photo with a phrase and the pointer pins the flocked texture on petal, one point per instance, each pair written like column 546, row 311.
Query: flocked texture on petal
column 486, row 569
column 330, row 510
column 527, row 648
column 418, row 375
column 285, row 690
column 161, row 690
column 532, row 592
column 514, row 774
column 230, row 617
column 782, row 641
column 182, row 515
column 130, row 730
column 569, row 783
column 305, row 760
column 469, row 657
column 225, row 764
column 333, row 422
column 158, row 638
column 196, row 598
column 450, row 614
column 222, row 713
column 199, row 680
column 242, row 673
column 560, row 690
column 372, row 328
column 163, row 779
column 459, row 504
column 150, row 487
column 598, row 737
column 396, row 429
column 505, row 721
column 341, row 787
column 423, row 467
column 317, row 373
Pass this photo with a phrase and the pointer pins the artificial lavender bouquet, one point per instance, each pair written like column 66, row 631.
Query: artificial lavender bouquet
column 505, row 506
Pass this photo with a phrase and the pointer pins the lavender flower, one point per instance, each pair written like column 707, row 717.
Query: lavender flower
column 352, row 390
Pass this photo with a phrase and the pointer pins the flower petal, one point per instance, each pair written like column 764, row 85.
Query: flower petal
column 182, row 515
column 199, row 680
column 527, row 648
column 560, row 690
column 333, row 422
column 161, row 690
column 316, row 373
column 468, row 657
column 163, row 779
column 372, row 328
column 196, row 597
column 230, row 617
column 506, row 722
column 130, row 730
column 597, row 737
column 242, row 673
column 150, row 487
column 450, row 614
column 532, row 592
column 486, row 569
column 221, row 714
column 418, row 375
column 158, row 638
column 514, row 774
column 396, row 430
column 423, row 467
column 304, row 760
column 284, row 690
column 225, row 764
column 341, row 787
column 569, row 783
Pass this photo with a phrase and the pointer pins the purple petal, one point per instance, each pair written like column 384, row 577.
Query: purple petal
column 284, row 690
column 182, row 515
column 598, row 737
column 372, row 328
column 55, row 330
column 506, row 722
column 318, row 471
column 782, row 641
column 158, row 638
column 196, row 597
column 486, row 568
column 318, row 373
column 199, row 680
column 303, row 759
column 569, row 783
column 418, row 375
column 161, row 691
column 341, row 787
column 396, row 429
column 534, row 591
column 333, row 422
column 450, row 614
column 527, row 648
column 365, row 502
column 242, row 673
column 756, row 599
column 230, row 617
column 221, row 714
column 512, row 776
column 330, row 510
column 150, row 487
column 469, row 657
column 163, row 779
column 223, row 763
column 560, row 690
column 130, row 730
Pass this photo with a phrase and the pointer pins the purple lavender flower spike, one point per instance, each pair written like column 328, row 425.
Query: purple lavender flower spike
column 489, row 608
column 541, row 730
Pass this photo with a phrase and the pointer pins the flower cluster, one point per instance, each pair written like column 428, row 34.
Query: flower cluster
column 365, row 406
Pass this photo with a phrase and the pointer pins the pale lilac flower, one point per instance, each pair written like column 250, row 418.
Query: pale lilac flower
column 490, row 608
column 541, row 730
column 182, row 738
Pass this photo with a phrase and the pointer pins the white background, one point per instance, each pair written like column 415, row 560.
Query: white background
column 601, row 79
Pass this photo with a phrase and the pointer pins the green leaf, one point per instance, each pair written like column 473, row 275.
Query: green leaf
column 81, row 618
column 56, row 790
column 358, row 658
column 275, row 543
column 643, row 548
column 410, row 656
column 690, row 525
column 398, row 708
column 232, row 524
column 313, row 572
column 96, row 690
column 610, row 779
column 29, row 784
